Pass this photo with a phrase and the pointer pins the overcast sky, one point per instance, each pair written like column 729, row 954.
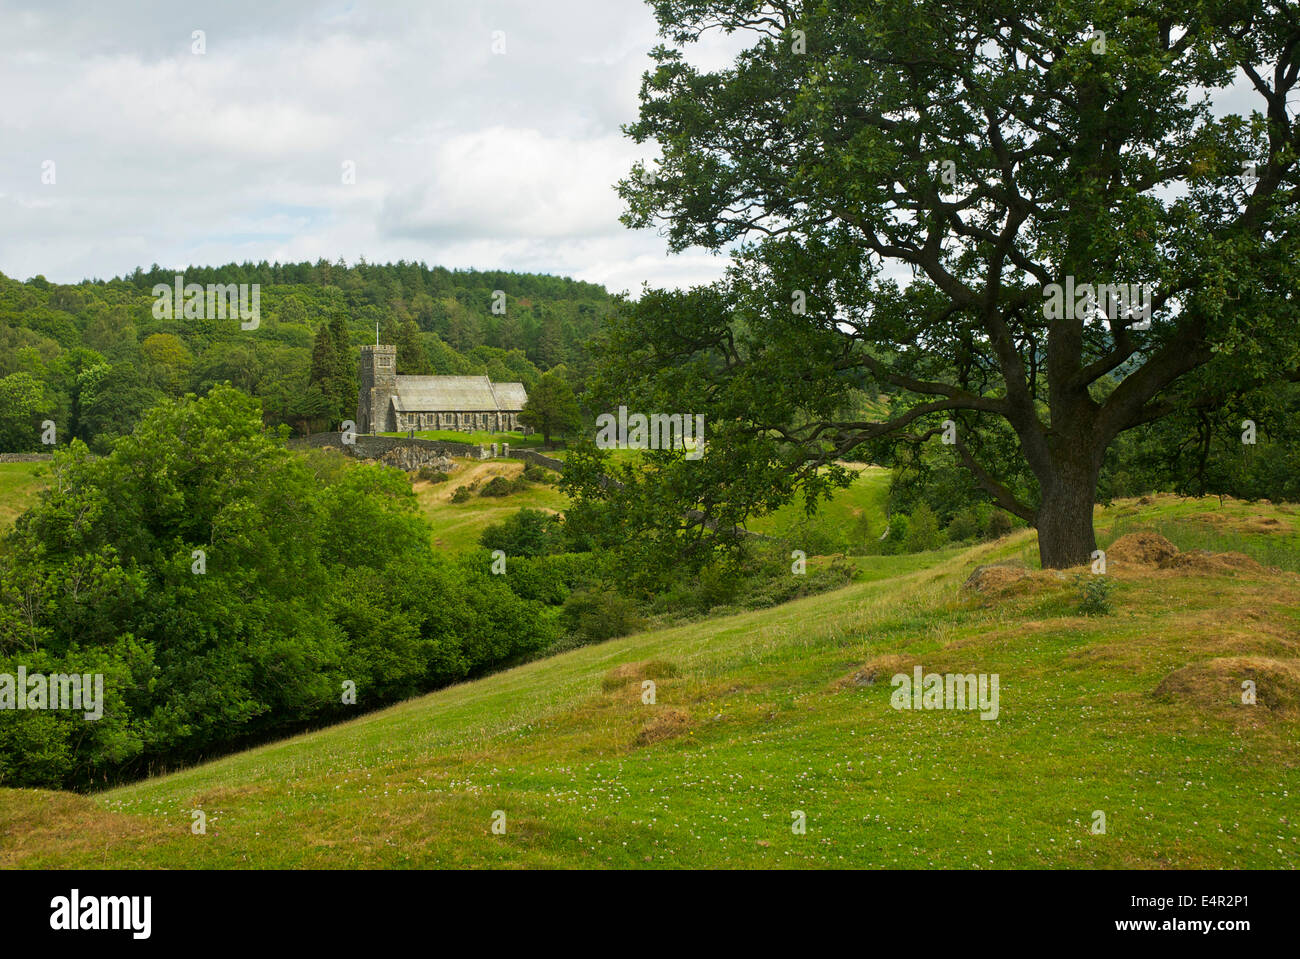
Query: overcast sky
column 463, row 157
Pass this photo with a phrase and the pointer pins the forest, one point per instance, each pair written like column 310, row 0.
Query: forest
column 92, row 358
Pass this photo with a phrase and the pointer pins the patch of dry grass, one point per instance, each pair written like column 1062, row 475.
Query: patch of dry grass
column 878, row 670
column 668, row 722
column 1218, row 685
column 653, row 669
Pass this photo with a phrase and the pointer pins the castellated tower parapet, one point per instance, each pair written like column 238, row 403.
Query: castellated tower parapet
column 378, row 381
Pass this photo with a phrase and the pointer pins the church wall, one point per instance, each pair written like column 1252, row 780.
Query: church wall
column 377, row 367
column 446, row 420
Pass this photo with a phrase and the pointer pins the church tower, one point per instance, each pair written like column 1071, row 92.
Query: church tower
column 378, row 375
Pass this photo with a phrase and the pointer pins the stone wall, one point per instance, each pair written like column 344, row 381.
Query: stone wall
column 410, row 454
column 413, row 457
column 537, row 459
column 368, row 447
column 26, row 457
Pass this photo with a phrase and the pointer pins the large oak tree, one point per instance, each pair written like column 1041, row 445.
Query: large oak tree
column 898, row 182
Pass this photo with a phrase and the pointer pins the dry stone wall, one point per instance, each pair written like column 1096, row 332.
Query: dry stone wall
column 410, row 454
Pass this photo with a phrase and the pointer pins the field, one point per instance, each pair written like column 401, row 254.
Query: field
column 855, row 516
column 765, row 715
column 457, row 526
column 19, row 484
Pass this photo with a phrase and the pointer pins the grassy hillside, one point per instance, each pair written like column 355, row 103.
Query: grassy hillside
column 1136, row 714
column 19, row 484
column 854, row 516
column 457, row 526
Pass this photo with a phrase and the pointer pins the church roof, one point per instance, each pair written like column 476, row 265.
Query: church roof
column 457, row 394
column 510, row 396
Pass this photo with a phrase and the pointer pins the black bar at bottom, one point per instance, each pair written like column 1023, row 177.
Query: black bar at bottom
column 338, row 909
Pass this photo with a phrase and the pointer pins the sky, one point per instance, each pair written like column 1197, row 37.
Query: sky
column 463, row 156
column 482, row 134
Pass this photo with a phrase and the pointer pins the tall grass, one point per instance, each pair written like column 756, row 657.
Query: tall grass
column 1281, row 550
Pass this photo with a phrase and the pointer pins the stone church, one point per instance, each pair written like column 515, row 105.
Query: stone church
column 390, row 403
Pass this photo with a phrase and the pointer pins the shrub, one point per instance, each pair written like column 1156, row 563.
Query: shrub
column 922, row 530
column 782, row 586
column 501, row 486
column 598, row 614
column 967, row 524
column 1094, row 595
column 463, row 493
column 550, row 579
column 430, row 474
column 999, row 524
column 530, row 532
column 717, row 585
column 529, row 579
column 895, row 534
column 1121, row 484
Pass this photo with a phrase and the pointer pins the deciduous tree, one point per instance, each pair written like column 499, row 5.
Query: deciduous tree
column 901, row 182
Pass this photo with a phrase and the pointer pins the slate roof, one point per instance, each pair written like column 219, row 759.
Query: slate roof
column 510, row 396
column 457, row 394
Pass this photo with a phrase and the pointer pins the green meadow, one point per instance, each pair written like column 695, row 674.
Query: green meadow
column 768, row 718
column 852, row 518
column 456, row 527
column 19, row 484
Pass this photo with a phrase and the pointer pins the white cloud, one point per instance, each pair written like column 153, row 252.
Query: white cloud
column 503, row 183
column 463, row 158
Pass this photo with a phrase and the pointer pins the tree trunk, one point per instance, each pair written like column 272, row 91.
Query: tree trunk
column 1064, row 520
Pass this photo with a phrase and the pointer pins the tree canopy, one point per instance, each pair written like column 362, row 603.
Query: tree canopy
column 228, row 590
column 101, row 357
column 551, row 407
column 905, row 185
